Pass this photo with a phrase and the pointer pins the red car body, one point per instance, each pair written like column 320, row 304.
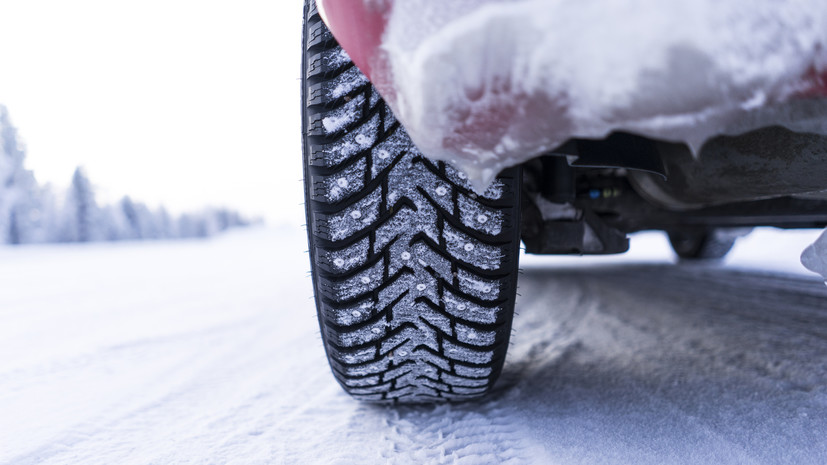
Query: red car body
column 429, row 75
column 359, row 26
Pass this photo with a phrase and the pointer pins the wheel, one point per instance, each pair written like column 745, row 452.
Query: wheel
column 706, row 245
column 414, row 274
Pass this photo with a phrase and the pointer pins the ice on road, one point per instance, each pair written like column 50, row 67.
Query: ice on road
column 208, row 352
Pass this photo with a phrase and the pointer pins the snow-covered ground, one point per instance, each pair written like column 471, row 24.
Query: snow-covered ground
column 208, row 352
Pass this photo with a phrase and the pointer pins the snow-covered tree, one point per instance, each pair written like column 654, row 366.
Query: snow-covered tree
column 81, row 220
column 142, row 222
column 166, row 225
column 19, row 193
column 31, row 213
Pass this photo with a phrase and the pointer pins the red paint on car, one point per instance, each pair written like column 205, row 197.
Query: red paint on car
column 816, row 84
column 358, row 26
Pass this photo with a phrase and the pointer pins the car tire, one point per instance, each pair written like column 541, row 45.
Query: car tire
column 414, row 274
column 708, row 245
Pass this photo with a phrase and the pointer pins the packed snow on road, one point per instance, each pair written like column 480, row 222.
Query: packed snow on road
column 208, row 352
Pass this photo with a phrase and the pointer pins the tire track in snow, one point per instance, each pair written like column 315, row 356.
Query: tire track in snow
column 156, row 390
column 674, row 364
column 198, row 367
column 485, row 431
column 473, row 433
column 609, row 364
column 223, row 397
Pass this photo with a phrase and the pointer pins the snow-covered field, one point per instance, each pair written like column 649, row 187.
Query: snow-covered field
column 208, row 352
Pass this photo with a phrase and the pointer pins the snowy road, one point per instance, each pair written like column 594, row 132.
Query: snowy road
column 208, row 352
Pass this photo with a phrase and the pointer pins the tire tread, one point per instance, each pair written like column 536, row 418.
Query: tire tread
column 436, row 326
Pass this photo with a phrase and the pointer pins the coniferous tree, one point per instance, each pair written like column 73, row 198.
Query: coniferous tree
column 30, row 213
column 166, row 226
column 19, row 193
column 131, row 215
column 82, row 218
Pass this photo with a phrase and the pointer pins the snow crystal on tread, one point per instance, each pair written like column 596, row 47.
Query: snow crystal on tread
column 355, row 218
column 472, row 251
column 366, row 369
column 403, row 181
column 475, row 216
column 344, row 116
column 472, row 372
column 405, row 353
column 464, row 354
column 418, row 336
column 418, row 381
column 425, row 285
column 401, row 255
column 374, row 97
column 466, row 310
column 351, row 315
column 336, row 58
column 470, row 391
column 423, row 391
column 358, row 382
column 428, row 358
column 428, row 371
column 368, row 390
column 408, row 379
column 354, row 142
column 361, row 283
column 438, row 320
column 392, row 291
column 472, row 336
column 359, row 356
column 393, row 228
column 424, row 256
column 349, row 258
column 493, row 192
column 345, row 183
column 387, row 151
column 439, row 190
column 344, row 84
column 406, row 391
column 426, row 217
column 464, row 382
column 390, row 119
column 371, row 333
column 397, row 340
column 478, row 287
column 396, row 372
column 434, row 385
column 370, row 397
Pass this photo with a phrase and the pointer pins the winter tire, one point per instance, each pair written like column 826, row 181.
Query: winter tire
column 414, row 274
column 709, row 245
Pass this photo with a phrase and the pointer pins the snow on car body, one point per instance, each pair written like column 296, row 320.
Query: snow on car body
column 487, row 84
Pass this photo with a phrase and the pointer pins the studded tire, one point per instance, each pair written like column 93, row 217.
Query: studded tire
column 414, row 274
column 703, row 246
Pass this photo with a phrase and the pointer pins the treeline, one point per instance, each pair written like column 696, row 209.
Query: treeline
column 30, row 213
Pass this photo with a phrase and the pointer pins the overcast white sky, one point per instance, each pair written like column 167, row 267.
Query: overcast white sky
column 177, row 102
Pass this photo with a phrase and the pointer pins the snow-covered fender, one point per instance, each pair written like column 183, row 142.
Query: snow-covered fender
column 486, row 84
column 358, row 27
